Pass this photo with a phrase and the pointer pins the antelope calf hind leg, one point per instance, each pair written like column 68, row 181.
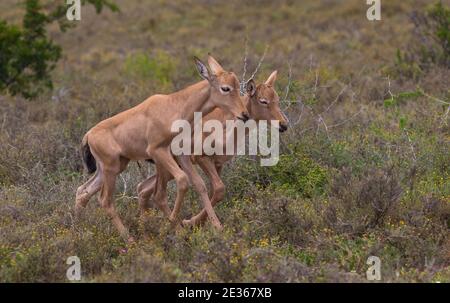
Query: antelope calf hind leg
column 147, row 188
column 166, row 163
column 109, row 165
column 87, row 190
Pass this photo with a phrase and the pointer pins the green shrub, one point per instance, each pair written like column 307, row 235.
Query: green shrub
column 298, row 174
column 402, row 98
column 28, row 55
column 159, row 67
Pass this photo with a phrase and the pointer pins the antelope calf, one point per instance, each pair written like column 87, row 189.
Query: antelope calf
column 144, row 132
column 262, row 103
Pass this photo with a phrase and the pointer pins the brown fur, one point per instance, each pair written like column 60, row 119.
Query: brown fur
column 144, row 132
column 212, row 165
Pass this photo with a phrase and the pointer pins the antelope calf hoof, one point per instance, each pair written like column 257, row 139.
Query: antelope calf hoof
column 78, row 210
column 187, row 223
column 177, row 224
column 172, row 219
column 219, row 227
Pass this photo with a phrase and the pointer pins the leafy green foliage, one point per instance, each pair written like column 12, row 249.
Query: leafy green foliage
column 28, row 55
column 402, row 97
column 159, row 67
column 297, row 174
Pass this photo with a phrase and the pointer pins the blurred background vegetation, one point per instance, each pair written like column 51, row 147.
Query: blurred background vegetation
column 28, row 55
column 364, row 168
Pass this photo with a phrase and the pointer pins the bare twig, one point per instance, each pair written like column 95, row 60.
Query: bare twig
column 310, row 62
column 316, row 83
column 261, row 60
column 244, row 73
column 434, row 98
column 346, row 120
column 389, row 88
column 322, row 121
column 301, row 114
column 411, row 146
column 288, row 86
column 336, row 99
column 124, row 185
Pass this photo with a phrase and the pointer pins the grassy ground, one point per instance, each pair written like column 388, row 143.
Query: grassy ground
column 364, row 168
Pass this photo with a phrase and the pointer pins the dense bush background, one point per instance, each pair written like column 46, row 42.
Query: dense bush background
column 364, row 167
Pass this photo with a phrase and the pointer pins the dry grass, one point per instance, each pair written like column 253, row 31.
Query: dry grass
column 373, row 174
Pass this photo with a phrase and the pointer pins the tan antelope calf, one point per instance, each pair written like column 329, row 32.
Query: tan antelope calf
column 144, row 132
column 262, row 103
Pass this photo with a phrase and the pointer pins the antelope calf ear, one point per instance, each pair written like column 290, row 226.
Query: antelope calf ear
column 202, row 69
column 215, row 67
column 250, row 87
column 271, row 80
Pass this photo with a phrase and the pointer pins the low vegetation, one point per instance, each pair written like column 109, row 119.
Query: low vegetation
column 364, row 167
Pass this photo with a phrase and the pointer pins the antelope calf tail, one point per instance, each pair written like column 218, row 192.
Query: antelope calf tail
column 88, row 159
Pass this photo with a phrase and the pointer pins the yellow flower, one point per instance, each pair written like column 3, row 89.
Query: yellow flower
column 264, row 242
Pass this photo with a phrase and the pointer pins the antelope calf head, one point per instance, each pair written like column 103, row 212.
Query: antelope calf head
column 224, row 88
column 264, row 103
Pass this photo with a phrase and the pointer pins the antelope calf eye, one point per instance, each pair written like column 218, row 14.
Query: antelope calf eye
column 263, row 101
column 225, row 89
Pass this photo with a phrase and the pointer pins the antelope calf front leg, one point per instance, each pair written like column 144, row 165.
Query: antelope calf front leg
column 200, row 187
column 157, row 183
column 218, row 189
